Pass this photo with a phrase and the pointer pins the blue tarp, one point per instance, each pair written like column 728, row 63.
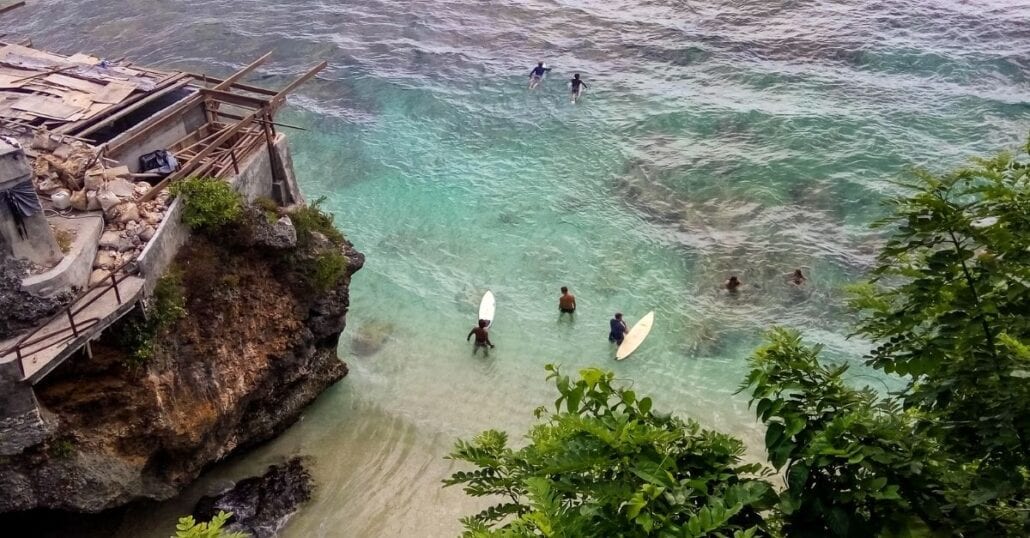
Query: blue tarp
column 22, row 199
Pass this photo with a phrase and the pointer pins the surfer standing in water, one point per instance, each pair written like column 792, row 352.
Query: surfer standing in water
column 618, row 329
column 482, row 337
column 577, row 86
column 537, row 75
column 566, row 303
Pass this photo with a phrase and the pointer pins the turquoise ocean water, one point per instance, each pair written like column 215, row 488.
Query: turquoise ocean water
column 715, row 138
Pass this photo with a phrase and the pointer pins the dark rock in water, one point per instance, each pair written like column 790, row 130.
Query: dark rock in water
column 371, row 337
column 260, row 506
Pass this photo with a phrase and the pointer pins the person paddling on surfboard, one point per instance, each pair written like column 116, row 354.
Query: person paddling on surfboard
column 566, row 303
column 482, row 336
column 536, row 76
column 577, row 86
column 618, row 329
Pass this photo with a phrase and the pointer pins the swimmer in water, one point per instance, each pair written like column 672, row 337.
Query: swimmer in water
column 733, row 284
column 797, row 278
column 577, row 86
column 537, row 75
column 566, row 303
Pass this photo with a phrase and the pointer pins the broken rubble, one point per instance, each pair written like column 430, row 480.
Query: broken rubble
column 98, row 275
column 106, row 259
column 115, row 241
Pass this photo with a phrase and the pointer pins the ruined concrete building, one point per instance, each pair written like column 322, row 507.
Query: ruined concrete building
column 87, row 147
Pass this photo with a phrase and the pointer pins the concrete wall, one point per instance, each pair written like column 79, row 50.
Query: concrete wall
column 255, row 177
column 169, row 237
column 288, row 192
column 20, row 423
column 173, row 129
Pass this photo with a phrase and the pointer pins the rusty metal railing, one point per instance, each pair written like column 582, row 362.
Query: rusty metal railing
column 24, row 346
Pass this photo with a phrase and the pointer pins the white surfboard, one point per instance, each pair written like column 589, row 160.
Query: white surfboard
column 486, row 308
column 635, row 336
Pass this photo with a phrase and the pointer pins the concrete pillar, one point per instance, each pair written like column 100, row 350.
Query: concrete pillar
column 20, row 423
column 36, row 243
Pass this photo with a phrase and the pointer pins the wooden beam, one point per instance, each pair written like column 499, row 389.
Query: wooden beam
column 245, row 87
column 190, row 165
column 280, row 97
column 228, row 82
column 125, row 111
column 235, row 98
column 276, row 123
column 9, row 7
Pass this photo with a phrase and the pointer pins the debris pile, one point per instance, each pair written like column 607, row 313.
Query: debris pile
column 75, row 177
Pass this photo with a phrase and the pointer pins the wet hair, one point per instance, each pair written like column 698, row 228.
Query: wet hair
column 540, row 64
column 483, row 323
column 733, row 278
column 797, row 272
column 564, row 289
column 618, row 315
column 576, row 75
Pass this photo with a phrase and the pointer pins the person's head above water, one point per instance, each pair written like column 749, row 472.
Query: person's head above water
column 733, row 281
column 540, row 64
column 575, row 76
column 483, row 323
column 564, row 289
column 618, row 315
column 798, row 273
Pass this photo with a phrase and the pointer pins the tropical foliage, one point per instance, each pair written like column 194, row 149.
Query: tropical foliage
column 209, row 204
column 605, row 464
column 190, row 528
column 946, row 309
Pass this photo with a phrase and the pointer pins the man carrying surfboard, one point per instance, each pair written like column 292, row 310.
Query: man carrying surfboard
column 618, row 329
column 577, row 86
column 482, row 336
column 537, row 75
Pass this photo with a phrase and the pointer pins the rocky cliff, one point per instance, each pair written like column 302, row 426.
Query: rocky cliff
column 254, row 342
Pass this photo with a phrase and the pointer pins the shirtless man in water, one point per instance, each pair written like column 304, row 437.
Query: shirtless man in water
column 566, row 303
column 482, row 337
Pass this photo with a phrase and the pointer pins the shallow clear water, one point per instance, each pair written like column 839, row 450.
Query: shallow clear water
column 715, row 138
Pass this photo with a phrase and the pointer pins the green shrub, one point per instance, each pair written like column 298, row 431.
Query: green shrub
column 311, row 218
column 169, row 304
column 268, row 207
column 604, row 464
column 208, row 203
column 136, row 334
column 326, row 270
column 62, row 448
column 190, row 528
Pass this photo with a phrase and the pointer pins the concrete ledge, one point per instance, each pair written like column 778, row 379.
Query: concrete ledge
column 75, row 267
